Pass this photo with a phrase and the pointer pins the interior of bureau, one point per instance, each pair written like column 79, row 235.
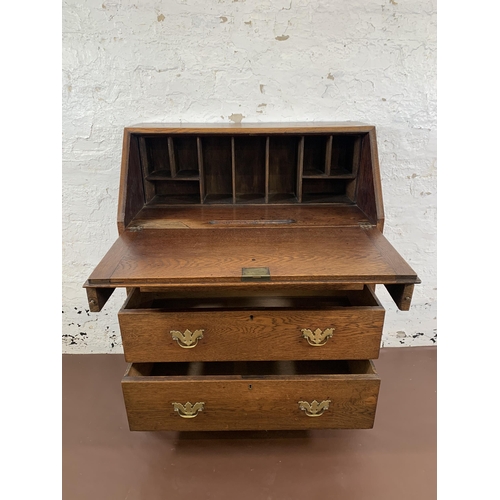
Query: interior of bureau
column 196, row 198
column 334, row 299
column 252, row 368
column 250, row 169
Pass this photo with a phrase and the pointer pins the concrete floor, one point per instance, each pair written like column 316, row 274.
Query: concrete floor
column 396, row 459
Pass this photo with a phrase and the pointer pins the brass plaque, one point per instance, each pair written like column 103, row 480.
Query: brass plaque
column 255, row 273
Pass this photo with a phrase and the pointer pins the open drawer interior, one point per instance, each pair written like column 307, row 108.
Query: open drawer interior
column 250, row 369
column 163, row 301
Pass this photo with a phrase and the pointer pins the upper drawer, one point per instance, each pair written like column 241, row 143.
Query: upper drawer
column 343, row 325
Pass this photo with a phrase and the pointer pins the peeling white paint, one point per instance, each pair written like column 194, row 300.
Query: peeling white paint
column 169, row 61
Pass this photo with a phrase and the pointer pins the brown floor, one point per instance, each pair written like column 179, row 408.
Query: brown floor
column 396, row 459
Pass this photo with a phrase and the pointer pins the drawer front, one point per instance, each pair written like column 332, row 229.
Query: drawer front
column 264, row 403
column 343, row 333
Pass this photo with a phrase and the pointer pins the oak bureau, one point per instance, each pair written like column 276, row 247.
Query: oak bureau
column 250, row 255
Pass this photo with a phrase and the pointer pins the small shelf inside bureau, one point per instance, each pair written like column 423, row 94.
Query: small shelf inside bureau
column 250, row 169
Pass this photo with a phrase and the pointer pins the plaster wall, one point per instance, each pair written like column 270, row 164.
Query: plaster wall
column 128, row 62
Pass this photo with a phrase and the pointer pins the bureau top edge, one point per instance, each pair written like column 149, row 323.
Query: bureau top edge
column 249, row 128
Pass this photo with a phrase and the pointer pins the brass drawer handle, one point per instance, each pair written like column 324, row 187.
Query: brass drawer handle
column 188, row 339
column 188, row 410
column 318, row 337
column 314, row 409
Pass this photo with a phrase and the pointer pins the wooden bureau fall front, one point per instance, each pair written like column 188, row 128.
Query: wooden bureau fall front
column 250, row 255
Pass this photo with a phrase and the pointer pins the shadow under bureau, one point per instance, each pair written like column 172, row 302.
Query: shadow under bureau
column 250, row 255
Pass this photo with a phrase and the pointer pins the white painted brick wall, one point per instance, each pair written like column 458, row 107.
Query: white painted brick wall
column 127, row 62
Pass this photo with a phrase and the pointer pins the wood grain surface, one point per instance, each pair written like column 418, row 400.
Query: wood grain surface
column 283, row 165
column 263, row 402
column 220, row 217
column 97, row 297
column 250, row 128
column 238, row 329
column 217, row 167
column 131, row 194
column 336, row 255
column 368, row 183
column 250, row 168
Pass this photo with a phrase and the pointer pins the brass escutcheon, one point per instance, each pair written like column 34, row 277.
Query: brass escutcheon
column 318, row 337
column 188, row 339
column 188, row 410
column 314, row 409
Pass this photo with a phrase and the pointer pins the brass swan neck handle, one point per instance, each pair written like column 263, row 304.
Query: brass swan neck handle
column 188, row 410
column 188, row 339
column 314, row 409
column 318, row 337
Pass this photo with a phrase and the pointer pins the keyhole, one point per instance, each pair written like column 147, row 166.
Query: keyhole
column 251, row 317
column 250, row 386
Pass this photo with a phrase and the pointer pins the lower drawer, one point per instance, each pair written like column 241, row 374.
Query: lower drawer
column 258, row 395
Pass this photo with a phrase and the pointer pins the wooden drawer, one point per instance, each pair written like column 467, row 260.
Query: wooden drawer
column 254, row 395
column 341, row 325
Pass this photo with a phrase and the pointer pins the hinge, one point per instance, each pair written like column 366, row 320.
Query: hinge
column 255, row 273
column 366, row 225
